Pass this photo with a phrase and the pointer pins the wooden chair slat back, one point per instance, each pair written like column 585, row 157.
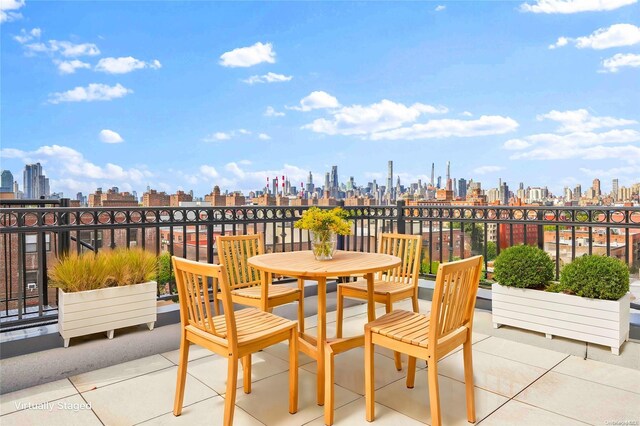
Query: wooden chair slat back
column 407, row 248
column 233, row 251
column 454, row 297
column 194, row 281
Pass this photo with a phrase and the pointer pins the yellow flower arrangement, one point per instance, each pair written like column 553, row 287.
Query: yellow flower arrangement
column 324, row 224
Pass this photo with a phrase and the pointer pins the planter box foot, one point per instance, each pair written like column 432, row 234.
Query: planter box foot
column 548, row 336
column 496, row 325
column 66, row 342
column 151, row 325
column 615, row 351
column 110, row 334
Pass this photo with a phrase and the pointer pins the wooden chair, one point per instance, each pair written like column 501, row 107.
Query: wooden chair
column 234, row 335
column 389, row 286
column 249, row 286
column 430, row 337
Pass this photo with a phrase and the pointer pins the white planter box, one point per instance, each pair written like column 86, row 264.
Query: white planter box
column 105, row 309
column 604, row 322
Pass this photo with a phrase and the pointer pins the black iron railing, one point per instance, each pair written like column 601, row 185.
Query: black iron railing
column 36, row 233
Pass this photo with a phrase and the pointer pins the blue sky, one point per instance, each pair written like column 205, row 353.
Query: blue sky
column 187, row 95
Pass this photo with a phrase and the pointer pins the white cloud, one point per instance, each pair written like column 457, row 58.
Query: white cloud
column 616, row 143
column 244, row 132
column 440, row 8
column 515, row 144
column 317, row 100
column 466, row 114
column 487, row 169
column 109, row 136
column 93, row 92
column 235, row 169
column 27, row 36
column 367, row 120
column 621, row 60
column 632, row 170
column 218, row 136
column 271, row 112
column 70, row 67
column 581, row 120
column 573, row 6
column 209, row 171
column 71, row 166
column 264, row 136
column 68, row 49
column 249, row 56
column 8, row 8
column 616, row 35
column 124, row 65
column 269, row 77
column 483, row 126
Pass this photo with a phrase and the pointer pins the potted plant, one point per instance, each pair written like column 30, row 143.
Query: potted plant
column 104, row 291
column 324, row 225
column 589, row 303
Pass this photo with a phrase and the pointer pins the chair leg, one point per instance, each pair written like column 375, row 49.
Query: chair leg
column 329, row 377
column 230, row 394
column 339, row 312
column 246, row 373
column 182, row 376
column 369, row 388
column 293, row 371
column 396, row 354
column 468, row 380
column 301, row 306
column 434, row 393
column 414, row 301
column 411, row 372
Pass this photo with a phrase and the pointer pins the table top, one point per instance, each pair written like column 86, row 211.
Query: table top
column 304, row 264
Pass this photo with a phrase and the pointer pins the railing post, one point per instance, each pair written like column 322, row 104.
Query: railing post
column 64, row 237
column 401, row 224
column 541, row 230
column 340, row 242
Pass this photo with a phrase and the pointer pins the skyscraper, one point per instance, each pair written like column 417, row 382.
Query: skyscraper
column 310, row 183
column 35, row 184
column 462, row 188
column 596, row 187
column 614, row 189
column 448, row 171
column 334, row 181
column 6, row 181
column 433, row 174
column 327, row 186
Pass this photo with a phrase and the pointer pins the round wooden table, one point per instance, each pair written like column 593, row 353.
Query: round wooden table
column 303, row 265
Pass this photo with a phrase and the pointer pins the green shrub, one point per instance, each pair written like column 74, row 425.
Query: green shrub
column 523, row 266
column 596, row 277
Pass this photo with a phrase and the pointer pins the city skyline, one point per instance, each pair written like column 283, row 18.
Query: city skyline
column 250, row 91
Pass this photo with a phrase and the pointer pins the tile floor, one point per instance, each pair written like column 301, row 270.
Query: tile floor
column 516, row 383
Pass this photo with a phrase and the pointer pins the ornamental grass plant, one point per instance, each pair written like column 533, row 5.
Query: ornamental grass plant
column 112, row 268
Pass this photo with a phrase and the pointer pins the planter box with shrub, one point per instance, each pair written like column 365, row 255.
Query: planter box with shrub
column 103, row 292
column 590, row 303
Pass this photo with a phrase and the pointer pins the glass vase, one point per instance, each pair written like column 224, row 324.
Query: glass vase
column 323, row 244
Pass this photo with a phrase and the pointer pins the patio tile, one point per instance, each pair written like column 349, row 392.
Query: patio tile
column 349, row 370
column 599, row 372
column 581, row 399
column 515, row 351
column 212, row 370
column 353, row 414
column 195, row 352
column 493, row 373
column 269, row 400
column 207, row 412
column 51, row 391
column 141, row 398
column 518, row 413
column 281, row 350
column 69, row 411
column 415, row 402
column 116, row 373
